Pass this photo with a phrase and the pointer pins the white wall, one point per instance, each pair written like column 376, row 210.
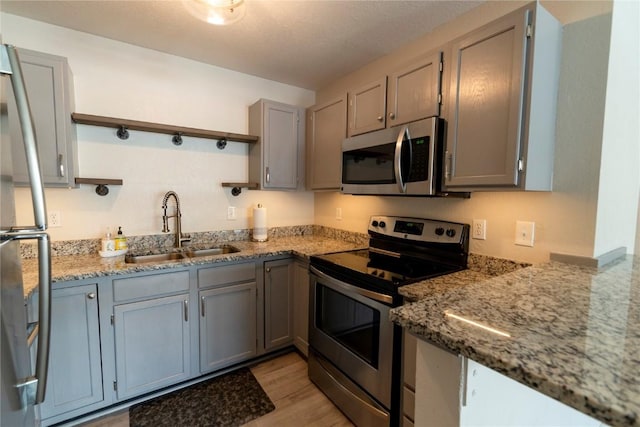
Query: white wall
column 121, row 80
column 619, row 175
column 565, row 219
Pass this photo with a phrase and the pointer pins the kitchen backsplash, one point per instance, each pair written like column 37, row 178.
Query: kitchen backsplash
column 138, row 244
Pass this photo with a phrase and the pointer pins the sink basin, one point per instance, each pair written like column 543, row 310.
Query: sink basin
column 226, row 249
column 176, row 256
column 139, row 259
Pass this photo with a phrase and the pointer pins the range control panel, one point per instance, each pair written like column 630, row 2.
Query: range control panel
column 420, row 229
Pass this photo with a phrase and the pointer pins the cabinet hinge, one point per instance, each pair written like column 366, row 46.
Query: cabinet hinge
column 115, row 386
column 441, row 66
column 529, row 31
column 113, row 319
column 520, row 165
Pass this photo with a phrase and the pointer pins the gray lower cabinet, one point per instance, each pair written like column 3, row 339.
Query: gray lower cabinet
column 503, row 89
column 49, row 85
column 227, row 325
column 152, row 344
column 408, row 378
column 75, row 374
column 301, row 306
column 278, row 302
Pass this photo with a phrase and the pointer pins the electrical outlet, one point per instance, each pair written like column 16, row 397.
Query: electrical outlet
column 339, row 214
column 54, row 219
column 479, row 229
column 231, row 212
column 524, row 233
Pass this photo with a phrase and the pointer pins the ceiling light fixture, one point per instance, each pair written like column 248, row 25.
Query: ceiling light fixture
column 217, row 12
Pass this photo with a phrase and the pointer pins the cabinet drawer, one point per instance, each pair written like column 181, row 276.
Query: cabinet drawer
column 235, row 273
column 150, row 285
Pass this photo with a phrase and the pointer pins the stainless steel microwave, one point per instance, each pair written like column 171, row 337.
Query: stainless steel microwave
column 403, row 160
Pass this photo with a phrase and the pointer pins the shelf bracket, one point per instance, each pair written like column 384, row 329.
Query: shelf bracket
column 101, row 184
column 122, row 132
column 177, row 138
column 221, row 144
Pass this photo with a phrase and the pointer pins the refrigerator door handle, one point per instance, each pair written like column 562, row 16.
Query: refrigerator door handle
column 11, row 65
column 34, row 387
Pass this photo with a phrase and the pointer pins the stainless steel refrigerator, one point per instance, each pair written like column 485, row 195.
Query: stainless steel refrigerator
column 22, row 388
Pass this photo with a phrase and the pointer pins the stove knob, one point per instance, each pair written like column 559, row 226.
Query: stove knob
column 383, row 224
column 451, row 232
column 374, row 223
column 439, row 231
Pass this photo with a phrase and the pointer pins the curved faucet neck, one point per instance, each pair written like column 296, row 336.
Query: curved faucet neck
column 177, row 216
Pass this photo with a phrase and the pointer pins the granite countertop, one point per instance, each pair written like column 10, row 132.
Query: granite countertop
column 574, row 332
column 74, row 267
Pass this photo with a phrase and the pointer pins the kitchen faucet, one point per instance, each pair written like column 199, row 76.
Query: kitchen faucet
column 180, row 238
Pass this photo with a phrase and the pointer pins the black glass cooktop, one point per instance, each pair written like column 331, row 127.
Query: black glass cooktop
column 376, row 271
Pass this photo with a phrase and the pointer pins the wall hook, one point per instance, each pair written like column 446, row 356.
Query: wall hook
column 177, row 138
column 221, row 144
column 122, row 132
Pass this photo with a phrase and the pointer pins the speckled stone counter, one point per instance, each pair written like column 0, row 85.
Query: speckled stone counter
column 85, row 266
column 574, row 332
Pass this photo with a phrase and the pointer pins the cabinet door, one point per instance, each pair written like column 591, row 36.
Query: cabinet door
column 75, row 374
column 274, row 160
column 326, row 128
column 414, row 91
column 301, row 306
column 49, row 88
column 227, row 325
column 487, row 84
column 367, row 107
column 152, row 344
column 278, row 295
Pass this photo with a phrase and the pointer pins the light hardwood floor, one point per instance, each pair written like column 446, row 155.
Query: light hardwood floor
column 298, row 401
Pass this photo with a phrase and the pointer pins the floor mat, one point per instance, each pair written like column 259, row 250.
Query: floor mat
column 230, row 400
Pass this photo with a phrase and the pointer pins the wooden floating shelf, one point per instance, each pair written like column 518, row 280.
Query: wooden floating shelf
column 236, row 187
column 100, row 183
column 178, row 131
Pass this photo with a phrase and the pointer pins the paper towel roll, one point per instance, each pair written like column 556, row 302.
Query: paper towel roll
column 260, row 224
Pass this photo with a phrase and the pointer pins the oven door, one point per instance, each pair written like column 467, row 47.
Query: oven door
column 350, row 327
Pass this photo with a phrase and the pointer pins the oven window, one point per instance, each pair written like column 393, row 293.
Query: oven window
column 354, row 325
column 371, row 165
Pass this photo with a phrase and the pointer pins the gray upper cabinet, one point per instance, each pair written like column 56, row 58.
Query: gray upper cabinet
column 278, row 303
column 414, row 90
column 367, row 106
column 49, row 86
column 503, row 88
column 75, row 377
column 326, row 128
column 410, row 93
column 277, row 161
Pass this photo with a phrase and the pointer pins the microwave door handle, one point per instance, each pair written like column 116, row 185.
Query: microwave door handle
column 11, row 66
column 402, row 136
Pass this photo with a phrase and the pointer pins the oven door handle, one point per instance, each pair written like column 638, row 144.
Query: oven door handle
column 376, row 296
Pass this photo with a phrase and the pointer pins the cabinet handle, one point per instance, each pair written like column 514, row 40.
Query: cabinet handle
column 268, row 269
column 380, row 118
column 448, row 165
column 91, row 295
column 392, row 115
column 186, row 310
column 202, row 306
column 61, row 164
column 268, row 175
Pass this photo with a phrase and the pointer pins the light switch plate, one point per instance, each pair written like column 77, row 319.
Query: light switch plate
column 231, row 212
column 524, row 233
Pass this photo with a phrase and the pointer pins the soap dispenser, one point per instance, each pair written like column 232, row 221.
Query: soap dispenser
column 108, row 244
column 121, row 241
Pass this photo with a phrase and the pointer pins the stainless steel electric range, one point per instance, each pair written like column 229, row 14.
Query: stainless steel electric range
column 355, row 350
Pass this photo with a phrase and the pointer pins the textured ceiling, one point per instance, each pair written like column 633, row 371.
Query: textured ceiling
column 303, row 43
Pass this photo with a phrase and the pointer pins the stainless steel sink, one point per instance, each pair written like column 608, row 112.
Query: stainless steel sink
column 226, row 249
column 176, row 256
